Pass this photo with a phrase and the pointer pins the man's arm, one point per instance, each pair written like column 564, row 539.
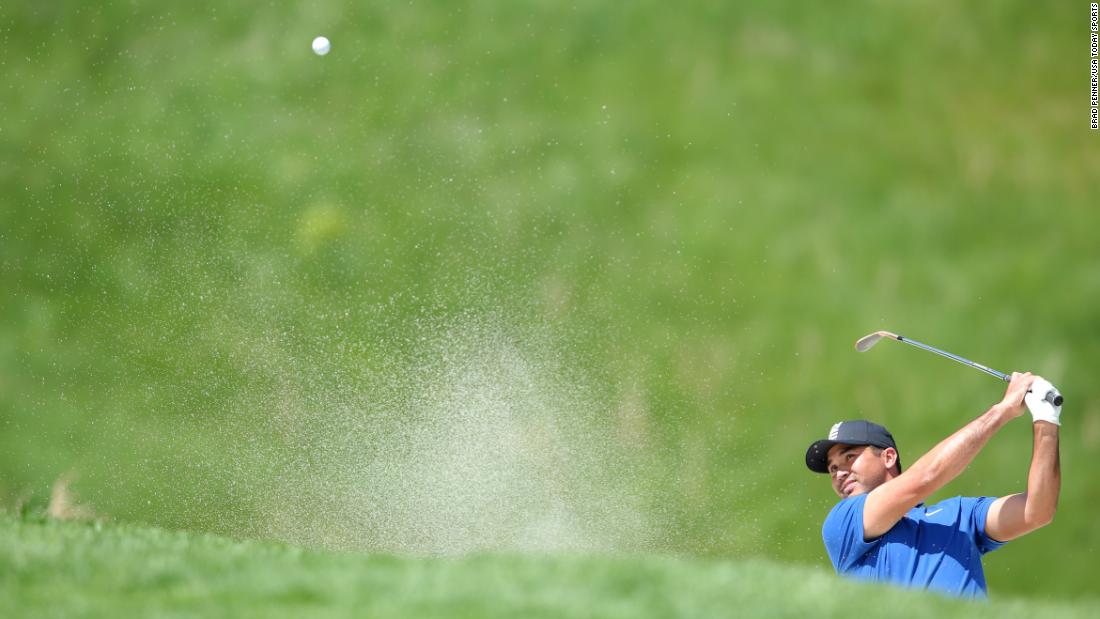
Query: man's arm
column 892, row 500
column 1011, row 516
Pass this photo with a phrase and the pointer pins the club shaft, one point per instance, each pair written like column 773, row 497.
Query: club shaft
column 944, row 353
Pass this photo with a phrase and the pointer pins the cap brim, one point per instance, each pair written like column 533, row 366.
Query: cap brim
column 817, row 456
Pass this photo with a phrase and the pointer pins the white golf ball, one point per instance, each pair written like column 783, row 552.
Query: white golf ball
column 321, row 46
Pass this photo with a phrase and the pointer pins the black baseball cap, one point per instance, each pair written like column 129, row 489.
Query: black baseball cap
column 857, row 432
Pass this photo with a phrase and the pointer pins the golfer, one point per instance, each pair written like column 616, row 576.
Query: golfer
column 881, row 529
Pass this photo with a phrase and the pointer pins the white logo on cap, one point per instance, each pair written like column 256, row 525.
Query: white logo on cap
column 835, row 431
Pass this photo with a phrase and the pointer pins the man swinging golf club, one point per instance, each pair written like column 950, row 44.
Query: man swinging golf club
column 881, row 529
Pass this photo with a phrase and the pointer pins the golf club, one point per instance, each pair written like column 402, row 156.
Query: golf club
column 865, row 343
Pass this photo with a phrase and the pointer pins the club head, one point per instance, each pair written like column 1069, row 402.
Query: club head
column 865, row 343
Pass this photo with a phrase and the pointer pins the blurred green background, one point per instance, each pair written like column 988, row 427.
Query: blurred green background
column 637, row 239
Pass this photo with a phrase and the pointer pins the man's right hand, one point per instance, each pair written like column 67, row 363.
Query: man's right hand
column 1013, row 402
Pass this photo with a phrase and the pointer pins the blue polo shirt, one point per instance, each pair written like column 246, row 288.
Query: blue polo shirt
column 937, row 547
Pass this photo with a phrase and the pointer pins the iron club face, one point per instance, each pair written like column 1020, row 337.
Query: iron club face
column 865, row 343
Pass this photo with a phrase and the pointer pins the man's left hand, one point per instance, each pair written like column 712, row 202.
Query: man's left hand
column 1041, row 409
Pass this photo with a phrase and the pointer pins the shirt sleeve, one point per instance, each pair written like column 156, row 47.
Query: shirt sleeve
column 979, row 509
column 843, row 533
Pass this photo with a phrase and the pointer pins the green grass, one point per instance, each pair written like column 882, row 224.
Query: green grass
column 231, row 270
column 55, row 569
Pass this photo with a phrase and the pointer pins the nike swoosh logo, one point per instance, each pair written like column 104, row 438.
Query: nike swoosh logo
column 932, row 513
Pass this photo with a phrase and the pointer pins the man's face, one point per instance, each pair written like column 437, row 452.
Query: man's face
column 857, row 469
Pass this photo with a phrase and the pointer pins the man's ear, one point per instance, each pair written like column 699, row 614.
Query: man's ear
column 891, row 457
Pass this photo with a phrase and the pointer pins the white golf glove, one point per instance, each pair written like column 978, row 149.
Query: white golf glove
column 1042, row 410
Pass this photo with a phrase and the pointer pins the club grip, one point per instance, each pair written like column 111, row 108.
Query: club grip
column 1054, row 398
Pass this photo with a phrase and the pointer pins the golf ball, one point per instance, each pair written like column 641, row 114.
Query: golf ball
column 321, row 46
